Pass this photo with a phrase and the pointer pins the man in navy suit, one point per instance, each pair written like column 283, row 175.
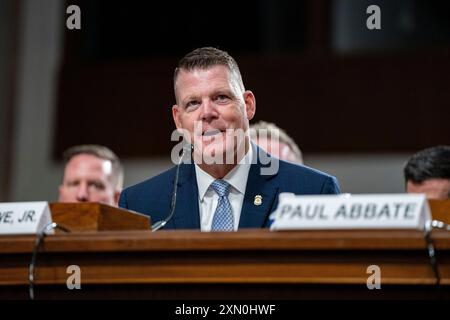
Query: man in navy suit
column 232, row 184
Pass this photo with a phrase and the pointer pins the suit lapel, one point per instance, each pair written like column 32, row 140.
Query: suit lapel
column 186, row 215
column 255, row 213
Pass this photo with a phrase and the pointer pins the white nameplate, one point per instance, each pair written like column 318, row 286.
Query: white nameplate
column 380, row 211
column 24, row 217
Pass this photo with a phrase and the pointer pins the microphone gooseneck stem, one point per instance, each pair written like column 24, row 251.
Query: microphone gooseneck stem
column 160, row 224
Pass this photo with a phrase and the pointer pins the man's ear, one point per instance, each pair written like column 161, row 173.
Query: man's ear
column 60, row 191
column 250, row 104
column 116, row 198
column 176, row 116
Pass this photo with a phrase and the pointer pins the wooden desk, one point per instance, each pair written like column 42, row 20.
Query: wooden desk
column 254, row 264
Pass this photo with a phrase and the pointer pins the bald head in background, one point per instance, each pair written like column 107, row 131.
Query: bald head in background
column 275, row 141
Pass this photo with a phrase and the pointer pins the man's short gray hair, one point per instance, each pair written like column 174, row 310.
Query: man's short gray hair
column 208, row 57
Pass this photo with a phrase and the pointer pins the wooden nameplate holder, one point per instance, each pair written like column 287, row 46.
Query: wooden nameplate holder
column 90, row 216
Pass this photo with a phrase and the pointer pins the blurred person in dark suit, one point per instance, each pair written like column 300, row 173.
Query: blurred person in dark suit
column 233, row 191
column 428, row 171
column 275, row 141
column 92, row 173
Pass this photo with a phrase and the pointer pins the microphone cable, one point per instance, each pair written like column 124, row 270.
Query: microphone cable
column 187, row 148
column 37, row 245
column 429, row 226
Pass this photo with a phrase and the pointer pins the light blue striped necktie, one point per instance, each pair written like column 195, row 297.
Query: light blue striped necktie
column 223, row 216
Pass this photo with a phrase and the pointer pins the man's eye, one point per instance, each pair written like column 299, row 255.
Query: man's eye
column 222, row 98
column 192, row 104
column 97, row 185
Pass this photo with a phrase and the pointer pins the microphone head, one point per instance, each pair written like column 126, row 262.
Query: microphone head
column 188, row 147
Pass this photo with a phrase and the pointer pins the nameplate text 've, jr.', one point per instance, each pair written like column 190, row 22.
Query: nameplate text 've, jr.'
column 24, row 217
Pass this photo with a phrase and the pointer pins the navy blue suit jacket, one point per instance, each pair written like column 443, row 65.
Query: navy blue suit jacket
column 153, row 196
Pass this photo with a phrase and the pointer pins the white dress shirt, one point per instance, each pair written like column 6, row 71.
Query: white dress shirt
column 208, row 198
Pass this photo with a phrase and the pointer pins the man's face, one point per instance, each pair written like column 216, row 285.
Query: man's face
column 88, row 179
column 277, row 149
column 211, row 106
column 433, row 188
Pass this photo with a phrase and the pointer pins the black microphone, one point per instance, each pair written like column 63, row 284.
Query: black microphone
column 187, row 148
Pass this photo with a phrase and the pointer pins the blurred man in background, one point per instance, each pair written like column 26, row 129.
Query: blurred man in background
column 275, row 141
column 428, row 171
column 92, row 173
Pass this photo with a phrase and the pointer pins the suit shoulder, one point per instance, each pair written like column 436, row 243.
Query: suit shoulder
column 306, row 178
column 293, row 169
column 157, row 182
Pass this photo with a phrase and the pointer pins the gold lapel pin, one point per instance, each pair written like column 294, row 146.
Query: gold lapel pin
column 258, row 200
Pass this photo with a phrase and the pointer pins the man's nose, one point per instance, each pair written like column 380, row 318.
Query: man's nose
column 209, row 110
column 82, row 193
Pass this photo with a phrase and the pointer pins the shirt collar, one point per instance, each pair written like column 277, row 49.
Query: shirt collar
column 237, row 177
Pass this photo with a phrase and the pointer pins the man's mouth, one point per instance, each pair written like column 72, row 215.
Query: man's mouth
column 212, row 132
